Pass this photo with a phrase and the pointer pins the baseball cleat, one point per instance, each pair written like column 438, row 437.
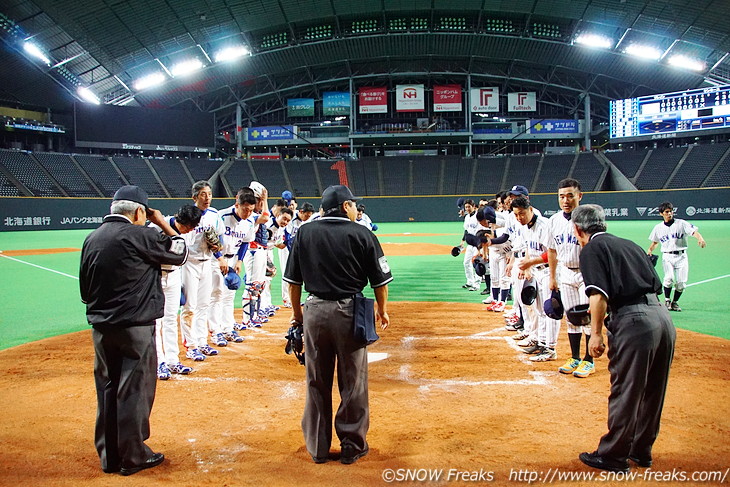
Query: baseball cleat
column 490, row 306
column 584, row 369
column 465, row 286
column 179, row 368
column 569, row 366
column 233, row 336
column 240, row 326
column 219, row 340
column 194, row 354
column 256, row 323
column 526, row 342
column 668, row 303
column 473, row 288
column 498, row 307
column 163, row 373
column 546, row 355
column 208, row 350
column 489, row 300
column 674, row 307
column 520, row 336
column 534, row 349
column 485, row 292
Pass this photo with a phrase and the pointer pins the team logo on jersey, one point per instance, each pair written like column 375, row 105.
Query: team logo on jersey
column 384, row 265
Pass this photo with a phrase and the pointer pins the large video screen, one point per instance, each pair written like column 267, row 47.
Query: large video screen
column 133, row 128
column 691, row 112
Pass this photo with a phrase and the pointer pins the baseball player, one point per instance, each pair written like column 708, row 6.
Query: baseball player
column 197, row 275
column 168, row 350
column 564, row 260
column 255, row 259
column 364, row 220
column 303, row 215
column 276, row 228
column 471, row 225
column 672, row 234
column 239, row 230
column 535, row 235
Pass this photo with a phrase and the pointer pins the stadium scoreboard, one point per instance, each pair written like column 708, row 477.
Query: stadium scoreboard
column 683, row 113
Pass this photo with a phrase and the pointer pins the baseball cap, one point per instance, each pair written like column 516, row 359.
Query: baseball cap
column 132, row 193
column 335, row 195
column 518, row 190
column 487, row 213
column 233, row 280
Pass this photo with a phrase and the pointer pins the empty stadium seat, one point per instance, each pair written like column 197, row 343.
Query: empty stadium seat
column 23, row 168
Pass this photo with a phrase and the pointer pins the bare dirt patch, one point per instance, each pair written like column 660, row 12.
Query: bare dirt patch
column 390, row 248
column 16, row 253
column 453, row 393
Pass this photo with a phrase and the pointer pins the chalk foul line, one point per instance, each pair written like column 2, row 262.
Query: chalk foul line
column 39, row 266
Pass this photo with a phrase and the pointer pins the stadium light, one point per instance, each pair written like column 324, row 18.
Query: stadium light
column 186, row 67
column 88, row 95
column 685, row 62
column 645, row 52
column 230, row 53
column 36, row 52
column 153, row 79
column 594, row 40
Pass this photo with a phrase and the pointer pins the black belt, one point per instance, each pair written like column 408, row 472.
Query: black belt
column 332, row 297
column 676, row 252
column 519, row 254
column 541, row 267
column 573, row 268
column 168, row 270
column 228, row 256
column 648, row 298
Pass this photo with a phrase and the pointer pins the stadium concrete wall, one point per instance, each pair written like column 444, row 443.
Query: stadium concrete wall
column 26, row 213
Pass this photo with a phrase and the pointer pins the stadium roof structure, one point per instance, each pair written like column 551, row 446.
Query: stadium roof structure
column 300, row 48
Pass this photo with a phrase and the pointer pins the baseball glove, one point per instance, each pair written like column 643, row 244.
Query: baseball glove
column 212, row 240
column 653, row 259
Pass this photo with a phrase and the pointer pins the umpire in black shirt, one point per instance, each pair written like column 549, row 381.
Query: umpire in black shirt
column 620, row 280
column 335, row 258
column 120, row 285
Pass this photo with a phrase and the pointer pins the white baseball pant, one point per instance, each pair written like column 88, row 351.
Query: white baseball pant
column 572, row 293
column 676, row 270
column 197, row 278
column 471, row 276
column 168, row 350
column 548, row 328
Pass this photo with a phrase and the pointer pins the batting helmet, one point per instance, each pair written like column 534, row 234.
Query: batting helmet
column 233, row 280
column 529, row 292
column 553, row 306
column 653, row 259
column 455, row 251
column 479, row 267
column 579, row 315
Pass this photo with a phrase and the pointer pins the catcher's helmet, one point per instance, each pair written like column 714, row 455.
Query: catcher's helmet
column 233, row 280
column 455, row 251
column 653, row 259
column 295, row 342
column 479, row 267
column 553, row 306
column 529, row 292
column 579, row 315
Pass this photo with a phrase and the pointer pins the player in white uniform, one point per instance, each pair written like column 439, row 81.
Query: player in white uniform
column 565, row 275
column 303, row 215
column 535, row 234
column 239, row 230
column 497, row 255
column 277, row 240
column 255, row 260
column 364, row 220
column 672, row 234
column 168, row 350
column 197, row 276
column 471, row 226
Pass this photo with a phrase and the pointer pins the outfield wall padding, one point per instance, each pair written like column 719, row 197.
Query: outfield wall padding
column 26, row 213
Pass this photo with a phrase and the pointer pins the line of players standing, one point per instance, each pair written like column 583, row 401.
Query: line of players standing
column 524, row 249
column 205, row 286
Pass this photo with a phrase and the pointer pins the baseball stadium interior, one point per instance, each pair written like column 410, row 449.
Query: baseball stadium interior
column 83, row 83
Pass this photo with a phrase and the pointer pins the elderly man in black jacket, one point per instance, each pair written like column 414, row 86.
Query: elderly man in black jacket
column 120, row 285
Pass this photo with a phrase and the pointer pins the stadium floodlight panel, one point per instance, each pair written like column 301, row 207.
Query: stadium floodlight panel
column 88, row 95
column 148, row 81
column 642, row 51
column 681, row 61
column 594, row 40
column 35, row 51
column 186, row 67
column 230, row 53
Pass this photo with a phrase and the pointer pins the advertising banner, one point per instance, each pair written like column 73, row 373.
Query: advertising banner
column 447, row 98
column 300, row 107
column 522, row 101
column 484, row 99
column 553, row 126
column 410, row 98
column 282, row 132
column 373, row 100
column 336, row 103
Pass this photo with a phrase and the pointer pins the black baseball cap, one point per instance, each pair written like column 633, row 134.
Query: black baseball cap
column 132, row 193
column 487, row 213
column 518, row 190
column 334, row 196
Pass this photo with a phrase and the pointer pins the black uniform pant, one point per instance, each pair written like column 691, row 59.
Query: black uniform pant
column 328, row 340
column 641, row 347
column 125, row 376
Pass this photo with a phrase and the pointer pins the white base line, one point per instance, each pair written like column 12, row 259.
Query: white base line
column 39, row 267
column 708, row 280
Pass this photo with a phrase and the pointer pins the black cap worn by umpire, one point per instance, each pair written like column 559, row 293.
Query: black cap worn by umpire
column 334, row 196
column 132, row 193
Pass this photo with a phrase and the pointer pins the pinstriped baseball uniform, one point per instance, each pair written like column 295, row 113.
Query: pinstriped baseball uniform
column 471, row 225
column 673, row 239
column 535, row 237
column 498, row 254
column 570, row 280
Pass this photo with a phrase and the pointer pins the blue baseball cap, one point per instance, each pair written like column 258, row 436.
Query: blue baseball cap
column 487, row 213
column 518, row 190
column 233, row 280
